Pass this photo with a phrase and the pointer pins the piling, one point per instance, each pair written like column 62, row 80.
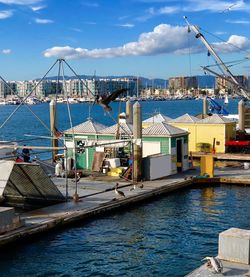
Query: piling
column 241, row 111
column 137, row 149
column 205, row 106
column 129, row 113
column 53, row 127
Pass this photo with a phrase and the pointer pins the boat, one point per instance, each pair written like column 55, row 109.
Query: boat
column 226, row 100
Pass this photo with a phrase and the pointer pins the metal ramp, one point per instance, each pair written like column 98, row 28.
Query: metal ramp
column 26, row 185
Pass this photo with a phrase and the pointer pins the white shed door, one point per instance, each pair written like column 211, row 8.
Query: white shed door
column 150, row 148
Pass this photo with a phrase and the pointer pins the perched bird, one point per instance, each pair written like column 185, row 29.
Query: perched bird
column 105, row 100
column 133, row 188
column 77, row 179
column 141, row 186
column 214, row 264
column 118, row 192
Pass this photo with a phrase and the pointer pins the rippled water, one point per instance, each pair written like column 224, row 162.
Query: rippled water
column 166, row 237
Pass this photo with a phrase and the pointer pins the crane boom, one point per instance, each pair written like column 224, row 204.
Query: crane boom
column 218, row 60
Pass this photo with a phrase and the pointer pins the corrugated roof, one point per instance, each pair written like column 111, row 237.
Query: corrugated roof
column 215, row 119
column 124, row 128
column 87, row 127
column 157, row 119
column 163, row 129
column 186, row 118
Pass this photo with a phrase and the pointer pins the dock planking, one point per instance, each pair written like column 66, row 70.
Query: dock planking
column 92, row 202
column 97, row 197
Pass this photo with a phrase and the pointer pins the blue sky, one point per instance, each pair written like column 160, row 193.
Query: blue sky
column 114, row 37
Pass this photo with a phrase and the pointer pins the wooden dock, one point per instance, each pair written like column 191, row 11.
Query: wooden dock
column 98, row 197
column 95, row 198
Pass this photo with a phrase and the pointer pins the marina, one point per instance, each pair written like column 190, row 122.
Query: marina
column 123, row 175
column 98, row 198
column 98, row 209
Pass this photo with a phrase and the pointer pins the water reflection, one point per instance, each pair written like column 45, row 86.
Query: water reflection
column 166, row 237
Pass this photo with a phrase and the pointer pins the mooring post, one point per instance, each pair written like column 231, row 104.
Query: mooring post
column 53, row 127
column 241, row 111
column 205, row 106
column 137, row 131
column 129, row 113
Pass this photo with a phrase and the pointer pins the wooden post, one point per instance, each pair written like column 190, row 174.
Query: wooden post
column 241, row 111
column 137, row 131
column 129, row 112
column 53, row 127
column 205, row 106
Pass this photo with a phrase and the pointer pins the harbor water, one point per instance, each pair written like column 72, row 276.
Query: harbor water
column 165, row 237
column 23, row 123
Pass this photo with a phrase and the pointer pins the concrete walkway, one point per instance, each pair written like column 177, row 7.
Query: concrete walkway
column 229, row 269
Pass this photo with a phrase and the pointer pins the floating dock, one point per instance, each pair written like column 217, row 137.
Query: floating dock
column 96, row 197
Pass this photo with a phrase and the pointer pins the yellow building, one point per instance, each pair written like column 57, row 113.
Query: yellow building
column 212, row 131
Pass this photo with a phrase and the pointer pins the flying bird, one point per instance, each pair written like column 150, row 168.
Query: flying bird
column 118, row 192
column 214, row 264
column 104, row 101
column 229, row 8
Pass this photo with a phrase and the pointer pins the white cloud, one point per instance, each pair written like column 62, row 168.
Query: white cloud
column 239, row 21
column 20, row 2
column 215, row 6
column 90, row 4
column 218, row 33
column 37, row 8
column 126, row 25
column 162, row 40
column 233, row 44
column 6, row 14
column 6, row 51
column 43, row 21
column 169, row 10
column 76, row 30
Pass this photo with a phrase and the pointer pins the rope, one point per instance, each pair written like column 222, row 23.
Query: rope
column 241, row 49
column 71, row 126
column 24, row 99
column 79, row 78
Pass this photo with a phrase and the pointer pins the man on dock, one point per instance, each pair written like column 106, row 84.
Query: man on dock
column 26, row 154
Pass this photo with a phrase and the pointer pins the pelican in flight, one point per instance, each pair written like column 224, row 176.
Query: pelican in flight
column 214, row 264
column 104, row 101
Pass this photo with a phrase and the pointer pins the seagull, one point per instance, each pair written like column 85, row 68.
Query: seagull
column 214, row 264
column 118, row 192
column 104, row 101
column 229, row 8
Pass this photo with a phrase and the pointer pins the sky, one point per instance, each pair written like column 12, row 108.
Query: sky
column 146, row 38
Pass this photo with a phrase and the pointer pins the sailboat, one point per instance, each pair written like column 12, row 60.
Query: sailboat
column 226, row 100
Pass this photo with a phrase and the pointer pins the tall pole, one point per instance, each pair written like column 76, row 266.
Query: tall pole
column 137, row 131
column 129, row 112
column 53, row 128
column 205, row 106
column 241, row 111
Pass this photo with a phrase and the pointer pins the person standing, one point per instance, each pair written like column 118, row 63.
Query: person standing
column 26, row 154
